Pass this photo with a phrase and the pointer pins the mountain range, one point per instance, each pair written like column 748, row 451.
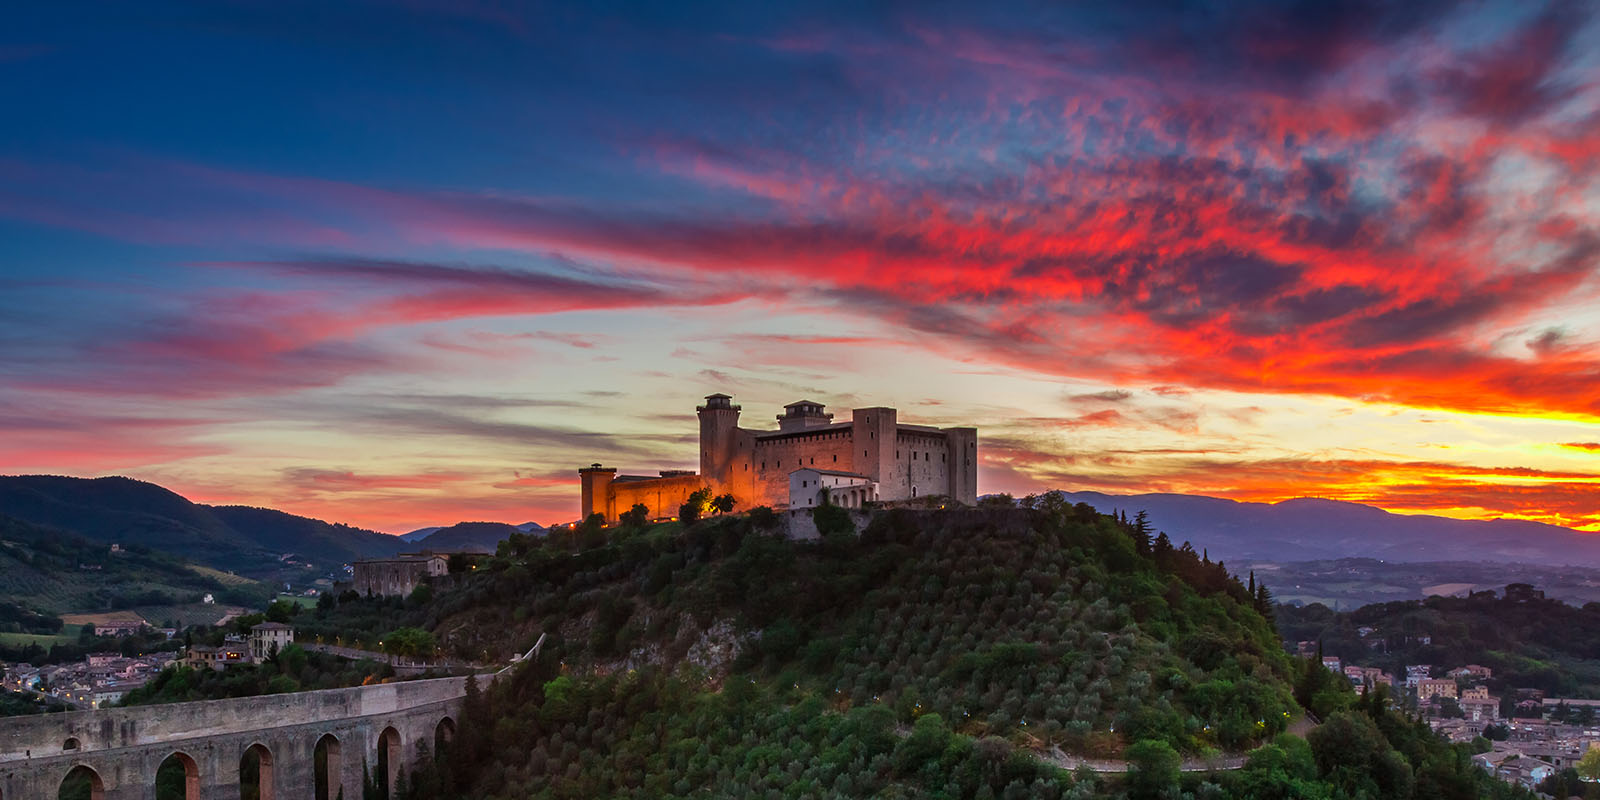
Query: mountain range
column 258, row 542
column 251, row 541
column 255, row 541
column 1306, row 529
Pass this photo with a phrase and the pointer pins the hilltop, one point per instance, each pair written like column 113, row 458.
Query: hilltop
column 959, row 653
column 251, row 541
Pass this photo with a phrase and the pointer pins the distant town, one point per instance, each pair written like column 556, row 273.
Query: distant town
column 1525, row 736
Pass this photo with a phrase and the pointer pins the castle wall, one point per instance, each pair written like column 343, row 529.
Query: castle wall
column 662, row 496
column 917, row 467
column 772, row 459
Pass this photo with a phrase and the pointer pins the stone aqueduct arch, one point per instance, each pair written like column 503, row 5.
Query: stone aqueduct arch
column 124, row 747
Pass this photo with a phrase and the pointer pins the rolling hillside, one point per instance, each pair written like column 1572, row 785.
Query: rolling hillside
column 128, row 512
column 49, row 571
column 946, row 654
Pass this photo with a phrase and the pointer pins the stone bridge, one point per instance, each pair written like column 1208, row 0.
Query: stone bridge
column 303, row 746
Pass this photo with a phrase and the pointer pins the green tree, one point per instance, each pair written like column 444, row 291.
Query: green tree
column 282, row 611
column 696, row 506
column 636, row 517
column 1153, row 769
column 1589, row 764
column 1353, row 755
column 409, row 643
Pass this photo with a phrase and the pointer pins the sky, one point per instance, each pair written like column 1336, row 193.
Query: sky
column 405, row 264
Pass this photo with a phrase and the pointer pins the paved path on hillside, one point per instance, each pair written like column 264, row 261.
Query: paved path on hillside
column 1300, row 726
column 1218, row 763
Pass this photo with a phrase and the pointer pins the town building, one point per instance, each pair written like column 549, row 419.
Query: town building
column 99, row 680
column 871, row 457
column 121, row 627
column 230, row 654
column 268, row 639
column 1415, row 673
column 1367, row 676
column 1484, row 709
column 397, row 576
column 1471, row 672
column 1429, row 688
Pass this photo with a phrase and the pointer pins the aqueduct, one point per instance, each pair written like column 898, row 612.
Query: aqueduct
column 301, row 746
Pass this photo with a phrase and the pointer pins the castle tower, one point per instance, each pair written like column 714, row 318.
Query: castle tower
column 719, row 437
column 873, row 431
column 596, row 485
column 963, row 464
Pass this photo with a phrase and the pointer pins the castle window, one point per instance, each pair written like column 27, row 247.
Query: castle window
column 813, row 459
column 835, row 458
column 897, row 455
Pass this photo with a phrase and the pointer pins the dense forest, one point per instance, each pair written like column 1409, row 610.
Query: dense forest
column 1535, row 643
column 962, row 653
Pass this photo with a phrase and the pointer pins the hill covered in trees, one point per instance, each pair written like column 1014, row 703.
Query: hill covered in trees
column 1528, row 642
column 45, row 572
column 945, row 654
column 129, row 512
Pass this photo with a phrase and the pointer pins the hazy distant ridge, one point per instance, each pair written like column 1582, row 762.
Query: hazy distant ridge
column 1305, row 529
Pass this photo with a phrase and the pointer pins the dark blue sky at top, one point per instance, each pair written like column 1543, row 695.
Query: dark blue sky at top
column 1391, row 201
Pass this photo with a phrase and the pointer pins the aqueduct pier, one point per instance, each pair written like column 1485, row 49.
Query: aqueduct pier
column 308, row 745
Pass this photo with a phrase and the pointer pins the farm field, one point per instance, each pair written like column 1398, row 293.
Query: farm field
column 43, row 640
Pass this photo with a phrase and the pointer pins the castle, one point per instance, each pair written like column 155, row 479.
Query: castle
column 872, row 457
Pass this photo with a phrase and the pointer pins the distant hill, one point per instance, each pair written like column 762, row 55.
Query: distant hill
column 127, row 511
column 49, row 570
column 469, row 537
column 1307, row 529
column 321, row 542
column 420, row 533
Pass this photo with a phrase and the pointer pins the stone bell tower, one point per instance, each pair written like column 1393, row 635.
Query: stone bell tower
column 719, row 439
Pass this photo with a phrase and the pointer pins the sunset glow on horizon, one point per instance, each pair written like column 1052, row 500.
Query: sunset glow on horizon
column 408, row 265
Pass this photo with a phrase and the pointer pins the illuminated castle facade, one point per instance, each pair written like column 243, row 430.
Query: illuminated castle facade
column 871, row 457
